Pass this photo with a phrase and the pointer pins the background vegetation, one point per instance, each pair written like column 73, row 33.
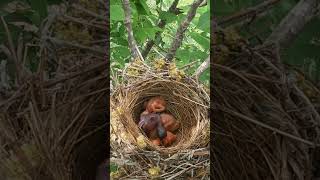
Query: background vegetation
column 303, row 53
column 146, row 14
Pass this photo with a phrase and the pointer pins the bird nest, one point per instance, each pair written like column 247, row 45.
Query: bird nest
column 186, row 100
column 265, row 115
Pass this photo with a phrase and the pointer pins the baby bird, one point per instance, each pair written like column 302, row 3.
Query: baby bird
column 155, row 104
column 169, row 139
column 169, row 122
column 151, row 124
column 156, row 141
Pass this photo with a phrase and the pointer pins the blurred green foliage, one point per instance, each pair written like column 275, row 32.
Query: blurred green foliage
column 145, row 16
column 302, row 53
column 23, row 18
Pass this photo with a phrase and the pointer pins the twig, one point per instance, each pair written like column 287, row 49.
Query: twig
column 204, row 3
column 261, row 124
column 249, row 12
column 67, row 43
column 293, row 23
column 189, row 65
column 307, row 103
column 3, row 75
column 12, row 50
column 161, row 24
column 181, row 29
column 127, row 22
column 202, row 67
column 81, row 21
column 93, row 14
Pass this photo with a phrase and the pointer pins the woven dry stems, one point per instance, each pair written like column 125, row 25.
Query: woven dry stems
column 265, row 126
column 48, row 122
column 187, row 101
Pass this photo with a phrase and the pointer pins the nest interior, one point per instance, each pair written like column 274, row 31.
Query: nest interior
column 184, row 101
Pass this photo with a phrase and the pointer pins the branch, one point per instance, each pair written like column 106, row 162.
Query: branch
column 293, row 23
column 3, row 75
column 11, row 51
column 204, row 3
column 161, row 24
column 202, row 67
column 249, row 12
column 275, row 130
column 127, row 22
column 181, row 29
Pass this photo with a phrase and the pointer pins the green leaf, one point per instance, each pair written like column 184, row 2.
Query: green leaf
column 113, row 167
column 34, row 17
column 204, row 22
column 123, row 50
column 140, row 36
column 150, row 32
column 142, row 7
column 167, row 16
column 40, row 6
column 115, row 2
column 205, row 76
column 120, row 41
column 116, row 13
column 222, row 8
column 183, row 54
column 202, row 40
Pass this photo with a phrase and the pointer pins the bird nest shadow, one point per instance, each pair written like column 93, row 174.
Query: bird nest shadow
column 263, row 116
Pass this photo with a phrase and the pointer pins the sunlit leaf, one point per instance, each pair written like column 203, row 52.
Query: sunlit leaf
column 116, row 13
column 203, row 41
column 167, row 16
column 204, row 22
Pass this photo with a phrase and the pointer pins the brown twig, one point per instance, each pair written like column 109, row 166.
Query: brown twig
column 202, row 67
column 249, row 12
column 128, row 24
column 161, row 24
column 181, row 29
column 71, row 44
column 91, row 13
column 258, row 123
column 12, row 51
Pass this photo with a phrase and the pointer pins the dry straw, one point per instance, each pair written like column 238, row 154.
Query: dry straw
column 265, row 119
column 187, row 101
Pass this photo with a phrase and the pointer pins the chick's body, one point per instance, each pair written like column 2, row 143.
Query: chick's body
column 155, row 104
column 169, row 139
column 169, row 122
column 152, row 126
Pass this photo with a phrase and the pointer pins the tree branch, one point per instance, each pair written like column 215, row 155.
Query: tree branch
column 128, row 24
column 11, row 51
column 202, row 68
column 181, row 29
column 294, row 22
column 161, row 24
column 249, row 12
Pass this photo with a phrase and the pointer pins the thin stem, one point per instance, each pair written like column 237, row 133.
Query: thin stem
column 177, row 41
column 128, row 24
column 161, row 24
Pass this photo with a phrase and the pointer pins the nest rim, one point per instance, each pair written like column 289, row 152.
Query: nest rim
column 131, row 97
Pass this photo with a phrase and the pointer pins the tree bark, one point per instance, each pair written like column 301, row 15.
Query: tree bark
column 294, row 22
column 177, row 41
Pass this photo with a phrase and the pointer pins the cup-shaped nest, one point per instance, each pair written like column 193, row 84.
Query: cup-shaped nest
column 186, row 100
